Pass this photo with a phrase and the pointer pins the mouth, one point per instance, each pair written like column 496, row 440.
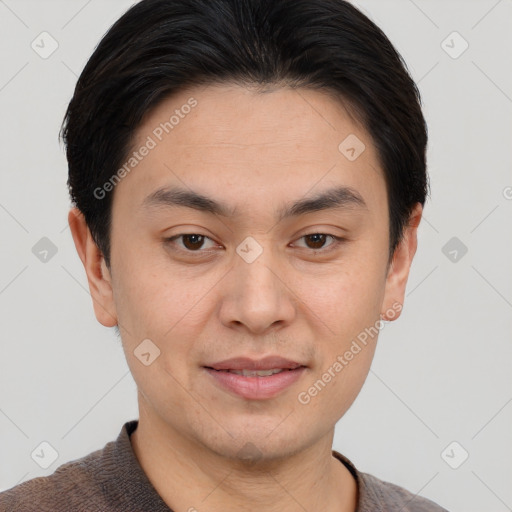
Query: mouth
column 268, row 363
column 256, row 373
column 255, row 379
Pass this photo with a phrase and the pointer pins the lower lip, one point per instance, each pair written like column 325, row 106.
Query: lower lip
column 256, row 388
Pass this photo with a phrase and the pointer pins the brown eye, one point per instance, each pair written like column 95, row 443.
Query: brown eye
column 190, row 242
column 193, row 242
column 317, row 240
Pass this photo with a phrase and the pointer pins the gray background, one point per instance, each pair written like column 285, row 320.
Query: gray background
column 441, row 373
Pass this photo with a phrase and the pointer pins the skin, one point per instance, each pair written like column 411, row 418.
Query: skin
column 299, row 299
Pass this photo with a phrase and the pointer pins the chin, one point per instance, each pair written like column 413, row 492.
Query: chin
column 255, row 441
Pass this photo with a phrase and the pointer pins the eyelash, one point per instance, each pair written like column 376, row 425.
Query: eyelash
column 337, row 242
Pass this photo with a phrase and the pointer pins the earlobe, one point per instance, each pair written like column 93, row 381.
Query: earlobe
column 98, row 275
column 400, row 266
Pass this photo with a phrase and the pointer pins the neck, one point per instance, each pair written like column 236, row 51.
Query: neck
column 189, row 476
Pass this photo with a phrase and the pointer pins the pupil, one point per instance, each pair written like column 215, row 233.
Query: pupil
column 196, row 241
column 319, row 243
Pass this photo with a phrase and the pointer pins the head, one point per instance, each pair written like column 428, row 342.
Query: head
column 291, row 131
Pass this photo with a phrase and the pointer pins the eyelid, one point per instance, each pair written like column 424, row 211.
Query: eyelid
column 171, row 240
column 338, row 240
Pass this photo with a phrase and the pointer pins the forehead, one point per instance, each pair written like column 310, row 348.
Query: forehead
column 273, row 145
column 246, row 117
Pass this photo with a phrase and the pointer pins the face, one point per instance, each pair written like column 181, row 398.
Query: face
column 287, row 257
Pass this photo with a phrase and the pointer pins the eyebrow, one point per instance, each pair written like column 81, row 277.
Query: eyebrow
column 334, row 198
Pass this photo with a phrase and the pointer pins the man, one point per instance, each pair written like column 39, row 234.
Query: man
column 248, row 178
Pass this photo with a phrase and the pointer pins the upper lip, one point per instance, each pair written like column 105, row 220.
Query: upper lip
column 246, row 363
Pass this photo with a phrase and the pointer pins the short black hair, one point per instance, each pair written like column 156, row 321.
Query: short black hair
column 159, row 47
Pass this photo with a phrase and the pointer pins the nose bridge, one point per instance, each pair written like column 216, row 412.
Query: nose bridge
column 259, row 296
column 253, row 268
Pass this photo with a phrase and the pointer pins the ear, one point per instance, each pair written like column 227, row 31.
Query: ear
column 98, row 275
column 398, row 271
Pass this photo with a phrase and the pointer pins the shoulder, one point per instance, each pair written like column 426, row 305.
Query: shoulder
column 109, row 479
column 387, row 496
column 72, row 486
column 377, row 494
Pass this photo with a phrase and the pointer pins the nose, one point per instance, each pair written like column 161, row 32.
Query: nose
column 258, row 294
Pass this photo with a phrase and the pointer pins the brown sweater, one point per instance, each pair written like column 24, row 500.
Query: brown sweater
column 111, row 479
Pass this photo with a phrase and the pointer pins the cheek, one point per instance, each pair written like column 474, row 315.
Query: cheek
column 347, row 383
column 162, row 303
column 331, row 391
column 142, row 283
column 346, row 297
column 347, row 328
column 154, row 306
column 343, row 363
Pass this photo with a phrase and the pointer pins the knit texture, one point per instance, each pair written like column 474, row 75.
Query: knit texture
column 112, row 480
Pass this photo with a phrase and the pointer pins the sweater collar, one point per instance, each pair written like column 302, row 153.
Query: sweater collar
column 135, row 483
